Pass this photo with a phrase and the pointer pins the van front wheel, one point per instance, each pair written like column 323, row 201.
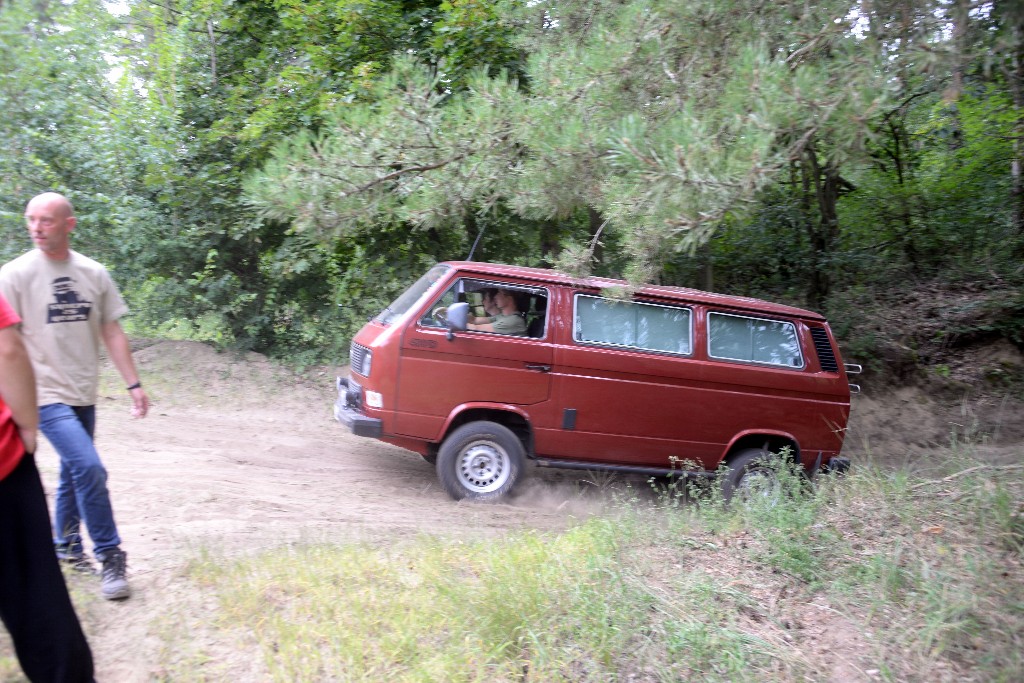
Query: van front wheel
column 480, row 461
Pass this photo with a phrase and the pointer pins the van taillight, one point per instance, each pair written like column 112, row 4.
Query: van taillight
column 822, row 345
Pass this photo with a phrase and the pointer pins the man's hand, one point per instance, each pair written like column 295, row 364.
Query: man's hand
column 140, row 402
column 120, row 352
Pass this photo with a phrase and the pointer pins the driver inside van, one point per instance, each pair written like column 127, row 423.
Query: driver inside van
column 506, row 318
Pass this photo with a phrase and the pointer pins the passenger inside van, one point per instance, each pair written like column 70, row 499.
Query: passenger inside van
column 490, row 308
column 507, row 319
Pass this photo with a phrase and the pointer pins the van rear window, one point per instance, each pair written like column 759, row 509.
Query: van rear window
column 632, row 324
column 753, row 340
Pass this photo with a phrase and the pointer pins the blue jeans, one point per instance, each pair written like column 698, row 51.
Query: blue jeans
column 82, row 489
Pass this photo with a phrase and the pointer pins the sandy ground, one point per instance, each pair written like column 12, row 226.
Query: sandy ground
column 238, row 455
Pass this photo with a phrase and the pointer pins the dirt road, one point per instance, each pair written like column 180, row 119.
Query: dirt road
column 238, row 455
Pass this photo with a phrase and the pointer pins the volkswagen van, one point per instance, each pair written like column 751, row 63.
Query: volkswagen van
column 654, row 380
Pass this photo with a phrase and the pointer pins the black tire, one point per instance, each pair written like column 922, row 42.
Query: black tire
column 751, row 472
column 480, row 461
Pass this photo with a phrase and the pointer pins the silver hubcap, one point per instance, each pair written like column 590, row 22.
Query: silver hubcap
column 483, row 467
column 758, row 483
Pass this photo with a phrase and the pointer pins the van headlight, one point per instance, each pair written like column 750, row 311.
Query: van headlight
column 374, row 399
column 360, row 359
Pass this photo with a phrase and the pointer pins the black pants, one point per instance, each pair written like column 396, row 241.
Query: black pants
column 34, row 601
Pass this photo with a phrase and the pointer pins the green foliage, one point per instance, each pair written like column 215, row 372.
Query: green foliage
column 995, row 317
column 68, row 127
column 410, row 113
column 942, row 211
column 238, row 77
column 577, row 140
column 236, row 152
column 473, row 34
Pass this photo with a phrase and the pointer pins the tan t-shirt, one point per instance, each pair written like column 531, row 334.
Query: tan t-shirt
column 62, row 305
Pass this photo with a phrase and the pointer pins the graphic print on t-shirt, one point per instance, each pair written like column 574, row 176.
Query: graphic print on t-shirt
column 70, row 307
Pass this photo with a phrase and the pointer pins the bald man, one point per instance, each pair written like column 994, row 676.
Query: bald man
column 68, row 304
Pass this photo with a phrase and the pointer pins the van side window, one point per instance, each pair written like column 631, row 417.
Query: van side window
column 434, row 316
column 485, row 313
column 536, row 315
column 650, row 327
column 753, row 340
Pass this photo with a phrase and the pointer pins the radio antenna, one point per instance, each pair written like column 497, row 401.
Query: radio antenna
column 472, row 249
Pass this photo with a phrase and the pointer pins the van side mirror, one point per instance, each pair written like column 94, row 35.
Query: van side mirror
column 458, row 316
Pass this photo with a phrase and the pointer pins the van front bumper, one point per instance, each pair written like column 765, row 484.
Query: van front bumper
column 355, row 421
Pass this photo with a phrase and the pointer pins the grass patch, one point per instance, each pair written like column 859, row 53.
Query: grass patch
column 547, row 607
column 878, row 575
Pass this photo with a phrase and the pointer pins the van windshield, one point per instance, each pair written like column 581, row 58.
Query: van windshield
column 411, row 296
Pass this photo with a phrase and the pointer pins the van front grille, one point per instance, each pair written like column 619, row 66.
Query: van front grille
column 826, row 356
column 357, row 357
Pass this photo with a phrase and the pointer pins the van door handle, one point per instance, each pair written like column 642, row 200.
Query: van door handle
column 538, row 368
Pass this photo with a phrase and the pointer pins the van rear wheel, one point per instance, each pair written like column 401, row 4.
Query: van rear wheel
column 480, row 461
column 752, row 473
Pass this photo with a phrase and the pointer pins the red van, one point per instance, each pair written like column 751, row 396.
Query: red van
column 479, row 366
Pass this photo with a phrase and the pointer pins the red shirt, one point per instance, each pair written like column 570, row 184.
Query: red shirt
column 11, row 448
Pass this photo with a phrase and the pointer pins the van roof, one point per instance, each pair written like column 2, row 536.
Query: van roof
column 596, row 284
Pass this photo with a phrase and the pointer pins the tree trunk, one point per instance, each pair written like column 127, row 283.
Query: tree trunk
column 823, row 232
column 1015, row 78
column 549, row 244
column 902, row 166
column 596, row 227
column 707, row 270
